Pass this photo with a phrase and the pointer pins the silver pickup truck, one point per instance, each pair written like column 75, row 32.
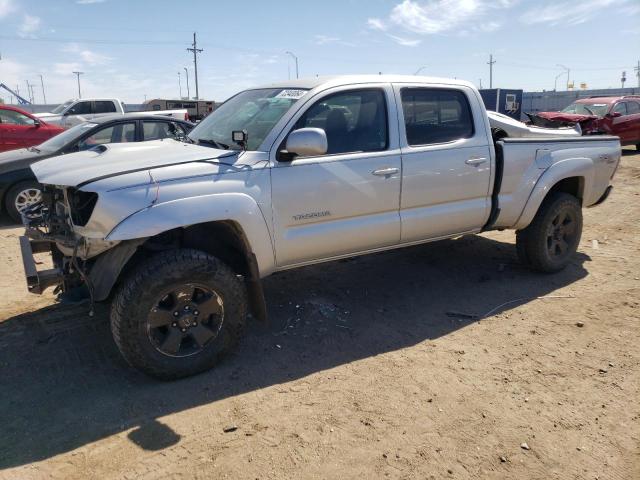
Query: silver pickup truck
column 179, row 234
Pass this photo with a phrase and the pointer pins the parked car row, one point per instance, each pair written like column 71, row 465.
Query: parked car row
column 18, row 186
column 619, row 116
column 73, row 112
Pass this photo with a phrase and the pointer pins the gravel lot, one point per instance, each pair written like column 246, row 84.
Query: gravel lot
column 362, row 372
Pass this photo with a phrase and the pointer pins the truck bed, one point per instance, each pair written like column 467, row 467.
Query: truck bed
column 526, row 164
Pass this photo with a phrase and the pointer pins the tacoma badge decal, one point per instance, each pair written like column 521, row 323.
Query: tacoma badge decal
column 306, row 216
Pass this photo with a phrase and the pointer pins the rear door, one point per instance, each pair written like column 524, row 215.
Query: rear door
column 345, row 201
column 633, row 122
column 446, row 161
column 102, row 108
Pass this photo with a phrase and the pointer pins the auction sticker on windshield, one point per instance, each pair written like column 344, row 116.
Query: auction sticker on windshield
column 291, row 94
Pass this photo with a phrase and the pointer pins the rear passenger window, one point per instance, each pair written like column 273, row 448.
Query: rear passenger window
column 103, row 106
column 435, row 115
column 633, row 108
column 354, row 121
column 157, row 130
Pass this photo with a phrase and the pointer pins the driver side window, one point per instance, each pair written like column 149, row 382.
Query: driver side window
column 620, row 108
column 354, row 121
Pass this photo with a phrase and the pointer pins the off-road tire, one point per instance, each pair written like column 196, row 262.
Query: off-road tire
column 533, row 242
column 138, row 294
column 10, row 198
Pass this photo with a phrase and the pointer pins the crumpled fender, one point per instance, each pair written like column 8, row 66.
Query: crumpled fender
column 572, row 167
column 184, row 212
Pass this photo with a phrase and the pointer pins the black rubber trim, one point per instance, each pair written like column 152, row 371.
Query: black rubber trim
column 604, row 196
column 497, row 185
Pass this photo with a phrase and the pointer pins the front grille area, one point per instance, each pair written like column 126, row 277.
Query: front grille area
column 81, row 205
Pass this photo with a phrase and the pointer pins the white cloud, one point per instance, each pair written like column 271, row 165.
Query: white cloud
column 437, row 17
column 405, row 42
column 6, row 7
column 87, row 56
column 376, row 24
column 30, row 25
column 66, row 68
column 89, row 2
column 569, row 12
column 327, row 40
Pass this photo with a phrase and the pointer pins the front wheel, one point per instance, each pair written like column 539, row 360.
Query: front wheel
column 552, row 238
column 21, row 196
column 177, row 313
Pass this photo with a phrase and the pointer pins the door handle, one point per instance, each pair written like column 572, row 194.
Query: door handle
column 475, row 161
column 385, row 172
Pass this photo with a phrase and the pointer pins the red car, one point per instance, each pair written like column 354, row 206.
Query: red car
column 20, row 129
column 619, row 116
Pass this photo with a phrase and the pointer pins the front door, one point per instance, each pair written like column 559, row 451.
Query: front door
column 446, row 162
column 347, row 200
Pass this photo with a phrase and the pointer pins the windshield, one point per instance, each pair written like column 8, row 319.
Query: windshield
column 598, row 109
column 256, row 111
column 60, row 108
column 66, row 137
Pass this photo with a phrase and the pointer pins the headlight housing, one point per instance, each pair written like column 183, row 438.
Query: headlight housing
column 81, row 205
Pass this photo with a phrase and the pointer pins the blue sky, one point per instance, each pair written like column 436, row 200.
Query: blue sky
column 132, row 48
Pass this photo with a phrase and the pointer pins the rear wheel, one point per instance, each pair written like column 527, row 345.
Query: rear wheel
column 178, row 313
column 22, row 195
column 552, row 238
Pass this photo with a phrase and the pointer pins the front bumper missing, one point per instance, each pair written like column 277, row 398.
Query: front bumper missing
column 38, row 281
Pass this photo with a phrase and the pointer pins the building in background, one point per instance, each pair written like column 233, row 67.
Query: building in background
column 198, row 109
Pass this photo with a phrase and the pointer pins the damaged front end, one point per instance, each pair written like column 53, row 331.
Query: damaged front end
column 49, row 228
column 588, row 124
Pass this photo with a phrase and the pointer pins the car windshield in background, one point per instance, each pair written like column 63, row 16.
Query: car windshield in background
column 60, row 108
column 598, row 109
column 256, row 111
column 64, row 138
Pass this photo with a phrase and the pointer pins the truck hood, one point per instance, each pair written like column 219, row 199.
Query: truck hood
column 121, row 158
column 46, row 115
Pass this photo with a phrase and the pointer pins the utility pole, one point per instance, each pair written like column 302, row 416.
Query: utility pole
column 77, row 74
column 637, row 69
column 179, row 86
column 296, row 59
column 623, row 78
column 29, row 91
column 44, row 97
column 490, row 63
column 195, row 51
column 186, row 72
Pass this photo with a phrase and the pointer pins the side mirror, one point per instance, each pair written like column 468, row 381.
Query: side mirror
column 36, row 122
column 308, row 142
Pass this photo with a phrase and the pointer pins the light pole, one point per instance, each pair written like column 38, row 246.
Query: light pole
column 420, row 69
column 186, row 72
column 567, row 70
column 296, row 59
column 180, row 86
column 77, row 74
column 44, row 97
column 555, row 82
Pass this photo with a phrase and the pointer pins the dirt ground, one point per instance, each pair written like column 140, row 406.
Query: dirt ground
column 361, row 372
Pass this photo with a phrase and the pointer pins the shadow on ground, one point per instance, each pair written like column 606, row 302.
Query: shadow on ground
column 64, row 384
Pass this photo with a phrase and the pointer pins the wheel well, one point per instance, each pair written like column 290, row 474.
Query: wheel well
column 572, row 185
column 223, row 239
